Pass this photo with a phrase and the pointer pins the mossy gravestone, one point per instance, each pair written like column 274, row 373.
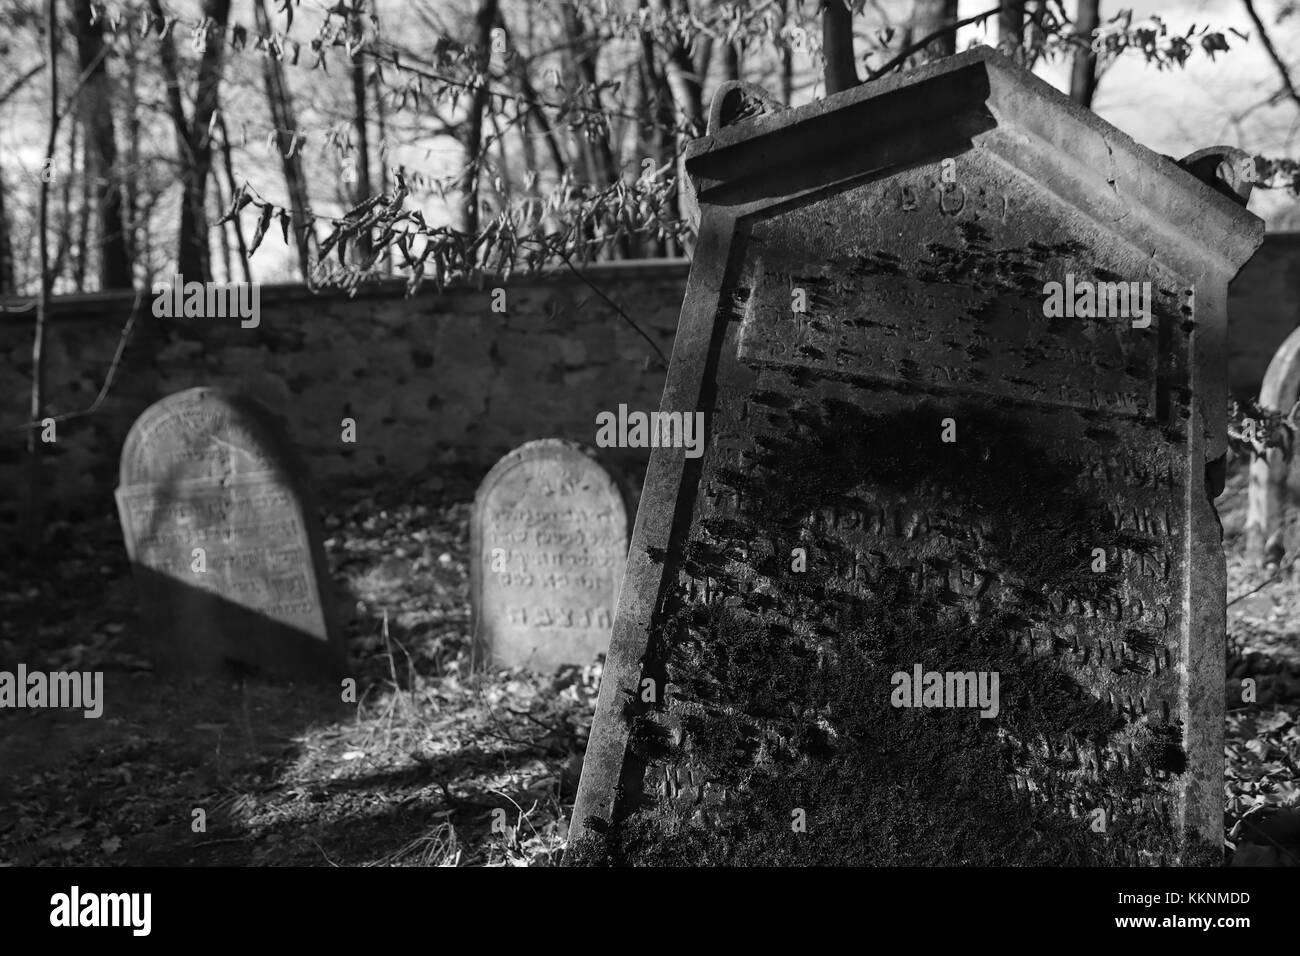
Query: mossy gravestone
column 223, row 540
column 946, row 586
column 548, row 545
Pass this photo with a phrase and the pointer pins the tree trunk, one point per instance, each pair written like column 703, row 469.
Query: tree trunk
column 70, row 176
column 473, row 129
column 82, row 252
column 194, row 146
column 1083, row 72
column 685, row 82
column 839, row 69
column 33, row 531
column 283, row 117
column 362, row 192
column 603, row 168
column 1011, row 29
column 8, row 282
column 234, row 222
column 731, row 61
column 101, row 149
column 787, row 59
column 223, row 237
column 132, row 177
column 931, row 15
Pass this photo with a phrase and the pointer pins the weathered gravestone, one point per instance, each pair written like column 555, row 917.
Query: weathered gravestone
column 223, row 540
column 946, row 586
column 548, row 540
column 1269, row 533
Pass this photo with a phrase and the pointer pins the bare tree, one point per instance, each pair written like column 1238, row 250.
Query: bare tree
column 35, row 504
column 7, row 280
column 362, row 190
column 472, row 136
column 194, row 144
column 1083, row 71
column 839, row 69
column 1011, row 28
column 931, row 16
column 101, row 148
column 283, row 118
column 786, row 59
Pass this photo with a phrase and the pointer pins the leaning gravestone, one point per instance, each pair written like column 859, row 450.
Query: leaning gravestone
column 548, row 545
column 223, row 540
column 946, row 586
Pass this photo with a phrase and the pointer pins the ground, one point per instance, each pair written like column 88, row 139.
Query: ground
column 437, row 764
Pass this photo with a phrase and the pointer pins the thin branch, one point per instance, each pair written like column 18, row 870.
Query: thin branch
column 93, row 407
column 924, row 42
column 663, row 360
column 20, row 82
column 1267, row 581
column 1272, row 52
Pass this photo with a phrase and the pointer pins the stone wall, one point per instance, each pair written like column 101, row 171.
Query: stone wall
column 434, row 380
column 431, row 381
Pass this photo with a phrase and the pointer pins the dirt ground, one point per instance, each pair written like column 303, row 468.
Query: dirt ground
column 436, row 765
column 290, row 775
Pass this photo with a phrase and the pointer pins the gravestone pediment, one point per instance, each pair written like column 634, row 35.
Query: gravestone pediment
column 960, row 348
column 224, row 541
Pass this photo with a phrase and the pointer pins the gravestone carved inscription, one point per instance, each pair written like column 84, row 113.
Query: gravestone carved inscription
column 549, row 542
column 223, row 540
column 946, row 586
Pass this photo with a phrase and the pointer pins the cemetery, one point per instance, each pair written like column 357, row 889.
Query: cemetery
column 926, row 495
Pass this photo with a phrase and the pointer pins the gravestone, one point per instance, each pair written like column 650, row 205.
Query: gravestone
column 1269, row 533
column 946, row 586
column 548, row 540
column 223, row 540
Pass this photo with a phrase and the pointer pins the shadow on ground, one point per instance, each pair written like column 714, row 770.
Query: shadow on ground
column 433, row 764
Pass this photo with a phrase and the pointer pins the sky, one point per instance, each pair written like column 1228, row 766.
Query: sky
column 1178, row 111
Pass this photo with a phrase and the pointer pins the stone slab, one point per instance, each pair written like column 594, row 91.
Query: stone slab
column 549, row 543
column 223, row 540
column 948, row 460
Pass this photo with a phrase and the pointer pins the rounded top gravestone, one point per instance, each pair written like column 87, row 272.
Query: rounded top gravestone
column 203, row 433
column 548, row 545
column 223, row 540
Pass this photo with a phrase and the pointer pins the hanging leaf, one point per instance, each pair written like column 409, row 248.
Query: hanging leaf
column 262, row 223
column 241, row 200
column 328, row 244
column 404, row 246
column 284, row 225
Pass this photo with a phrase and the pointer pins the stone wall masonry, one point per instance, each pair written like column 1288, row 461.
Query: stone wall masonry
column 435, row 379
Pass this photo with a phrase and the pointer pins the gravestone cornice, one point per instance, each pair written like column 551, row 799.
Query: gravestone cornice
column 977, row 99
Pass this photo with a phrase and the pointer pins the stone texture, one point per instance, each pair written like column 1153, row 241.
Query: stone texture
column 210, row 470
column 769, row 685
column 548, row 541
